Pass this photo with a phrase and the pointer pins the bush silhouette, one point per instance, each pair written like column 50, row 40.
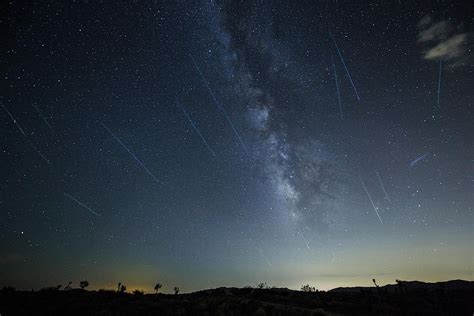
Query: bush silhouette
column 83, row 284
column 106, row 291
column 262, row 285
column 158, row 286
column 8, row 289
column 425, row 299
column 51, row 288
column 308, row 288
column 176, row 290
column 121, row 288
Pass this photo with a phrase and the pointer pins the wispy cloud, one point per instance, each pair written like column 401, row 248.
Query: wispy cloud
column 442, row 40
column 451, row 48
column 438, row 31
column 424, row 21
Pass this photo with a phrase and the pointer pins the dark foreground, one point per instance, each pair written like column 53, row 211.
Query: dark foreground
column 414, row 298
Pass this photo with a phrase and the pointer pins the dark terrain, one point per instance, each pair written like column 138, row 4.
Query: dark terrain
column 407, row 298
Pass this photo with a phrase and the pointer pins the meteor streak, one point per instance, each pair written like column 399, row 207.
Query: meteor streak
column 382, row 186
column 264, row 257
column 81, row 204
column 42, row 116
column 371, row 201
column 131, row 154
column 337, row 89
column 14, row 120
column 414, row 162
column 344, row 64
column 196, row 129
column 305, row 241
column 38, row 152
column 218, row 104
column 30, row 143
column 439, row 78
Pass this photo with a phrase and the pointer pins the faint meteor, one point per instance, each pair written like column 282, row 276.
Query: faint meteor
column 218, row 104
column 305, row 241
column 196, row 129
column 337, row 89
column 371, row 201
column 344, row 64
column 42, row 116
column 14, row 120
column 264, row 257
column 417, row 160
column 382, row 186
column 30, row 143
column 131, row 154
column 81, row 204
column 38, row 152
column 439, row 78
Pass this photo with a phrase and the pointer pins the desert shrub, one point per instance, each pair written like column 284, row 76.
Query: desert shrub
column 8, row 289
column 308, row 288
column 50, row 288
column 138, row 292
column 106, row 291
column 121, row 288
column 262, row 285
column 68, row 286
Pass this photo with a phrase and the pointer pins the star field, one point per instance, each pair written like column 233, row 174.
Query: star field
column 204, row 144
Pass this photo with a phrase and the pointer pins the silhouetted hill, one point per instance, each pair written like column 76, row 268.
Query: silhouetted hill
column 413, row 285
column 417, row 298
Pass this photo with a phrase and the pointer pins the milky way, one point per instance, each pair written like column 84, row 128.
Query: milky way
column 321, row 143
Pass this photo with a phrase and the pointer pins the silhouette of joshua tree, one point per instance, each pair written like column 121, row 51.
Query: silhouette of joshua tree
column 68, row 286
column 83, row 284
column 379, row 290
column 121, row 288
column 376, row 285
column 176, row 290
column 158, row 286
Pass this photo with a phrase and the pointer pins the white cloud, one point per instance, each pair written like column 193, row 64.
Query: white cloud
column 449, row 49
column 439, row 31
column 424, row 21
column 442, row 40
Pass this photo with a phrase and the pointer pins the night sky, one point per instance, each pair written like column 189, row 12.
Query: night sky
column 203, row 144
